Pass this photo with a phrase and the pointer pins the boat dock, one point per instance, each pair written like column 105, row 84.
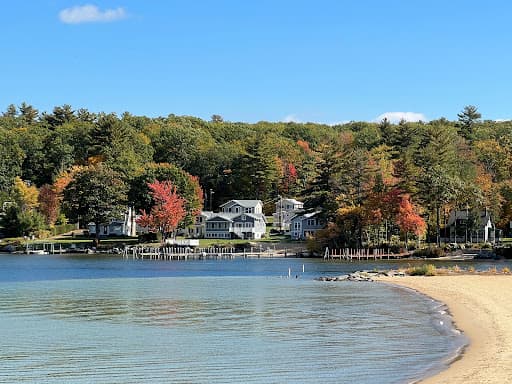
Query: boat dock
column 180, row 253
column 350, row 254
column 43, row 248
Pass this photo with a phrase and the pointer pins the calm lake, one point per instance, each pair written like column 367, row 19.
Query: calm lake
column 83, row 319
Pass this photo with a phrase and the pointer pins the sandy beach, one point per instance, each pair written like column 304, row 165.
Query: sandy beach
column 482, row 308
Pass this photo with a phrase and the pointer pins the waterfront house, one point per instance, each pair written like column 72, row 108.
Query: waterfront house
column 125, row 226
column 242, row 206
column 198, row 229
column 238, row 219
column 304, row 225
column 285, row 210
column 468, row 226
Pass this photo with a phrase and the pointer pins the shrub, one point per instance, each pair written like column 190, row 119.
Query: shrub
column 505, row 270
column 423, row 270
column 431, row 252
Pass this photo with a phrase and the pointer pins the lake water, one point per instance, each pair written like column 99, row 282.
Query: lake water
column 82, row 319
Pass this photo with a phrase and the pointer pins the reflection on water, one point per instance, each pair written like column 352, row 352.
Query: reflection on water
column 216, row 330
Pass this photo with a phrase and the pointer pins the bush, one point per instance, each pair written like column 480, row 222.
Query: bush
column 62, row 228
column 431, row 252
column 423, row 270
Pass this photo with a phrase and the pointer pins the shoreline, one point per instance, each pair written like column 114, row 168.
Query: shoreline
column 481, row 309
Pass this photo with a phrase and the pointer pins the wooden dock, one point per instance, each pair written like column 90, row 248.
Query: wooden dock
column 180, row 253
column 43, row 248
column 350, row 254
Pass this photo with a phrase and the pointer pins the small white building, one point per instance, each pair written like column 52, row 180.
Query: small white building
column 125, row 226
column 285, row 210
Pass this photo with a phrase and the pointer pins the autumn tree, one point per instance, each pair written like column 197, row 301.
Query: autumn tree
column 49, row 203
column 167, row 211
column 187, row 186
column 408, row 220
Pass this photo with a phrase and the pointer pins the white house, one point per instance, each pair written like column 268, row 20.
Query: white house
column 125, row 226
column 285, row 210
column 198, row 229
column 242, row 206
column 305, row 225
column 479, row 228
column 242, row 219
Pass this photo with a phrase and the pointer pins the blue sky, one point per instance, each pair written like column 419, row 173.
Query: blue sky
column 324, row 61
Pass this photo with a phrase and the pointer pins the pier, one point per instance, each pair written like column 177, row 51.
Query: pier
column 185, row 253
column 350, row 254
column 43, row 248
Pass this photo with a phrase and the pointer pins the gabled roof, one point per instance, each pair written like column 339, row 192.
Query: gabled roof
column 483, row 217
column 207, row 214
column 303, row 216
column 293, row 201
column 243, row 203
column 230, row 216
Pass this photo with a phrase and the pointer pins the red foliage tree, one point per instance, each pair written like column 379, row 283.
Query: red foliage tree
column 49, row 203
column 168, row 209
column 408, row 219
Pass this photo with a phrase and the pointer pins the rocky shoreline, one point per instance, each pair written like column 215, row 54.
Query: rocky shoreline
column 362, row 276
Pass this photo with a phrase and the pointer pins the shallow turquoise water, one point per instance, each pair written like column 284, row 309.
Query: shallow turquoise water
column 97, row 320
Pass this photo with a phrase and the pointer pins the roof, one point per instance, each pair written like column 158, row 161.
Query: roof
column 243, row 203
column 483, row 216
column 302, row 216
column 207, row 214
column 230, row 216
column 293, row 201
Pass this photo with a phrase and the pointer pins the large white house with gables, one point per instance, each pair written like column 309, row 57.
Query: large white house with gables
column 237, row 219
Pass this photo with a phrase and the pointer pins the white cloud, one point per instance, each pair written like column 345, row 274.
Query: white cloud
column 292, row 119
column 395, row 117
column 90, row 14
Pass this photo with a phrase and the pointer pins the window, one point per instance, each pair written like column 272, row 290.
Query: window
column 243, row 218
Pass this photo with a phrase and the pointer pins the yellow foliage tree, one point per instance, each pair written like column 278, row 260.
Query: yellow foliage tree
column 26, row 195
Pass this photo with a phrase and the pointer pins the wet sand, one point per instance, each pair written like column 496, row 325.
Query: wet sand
column 482, row 308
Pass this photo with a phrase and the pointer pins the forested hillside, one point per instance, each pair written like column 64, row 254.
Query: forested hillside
column 361, row 175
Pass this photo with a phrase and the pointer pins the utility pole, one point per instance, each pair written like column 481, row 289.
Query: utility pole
column 211, row 199
column 280, row 213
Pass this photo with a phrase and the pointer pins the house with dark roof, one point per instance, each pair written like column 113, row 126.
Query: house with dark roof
column 466, row 225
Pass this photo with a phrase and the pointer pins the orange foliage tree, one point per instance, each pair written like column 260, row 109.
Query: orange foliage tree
column 408, row 220
column 168, row 209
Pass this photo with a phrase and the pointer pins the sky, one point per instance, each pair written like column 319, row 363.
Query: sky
column 326, row 61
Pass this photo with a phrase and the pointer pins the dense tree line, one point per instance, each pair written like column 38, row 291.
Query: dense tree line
column 365, row 178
